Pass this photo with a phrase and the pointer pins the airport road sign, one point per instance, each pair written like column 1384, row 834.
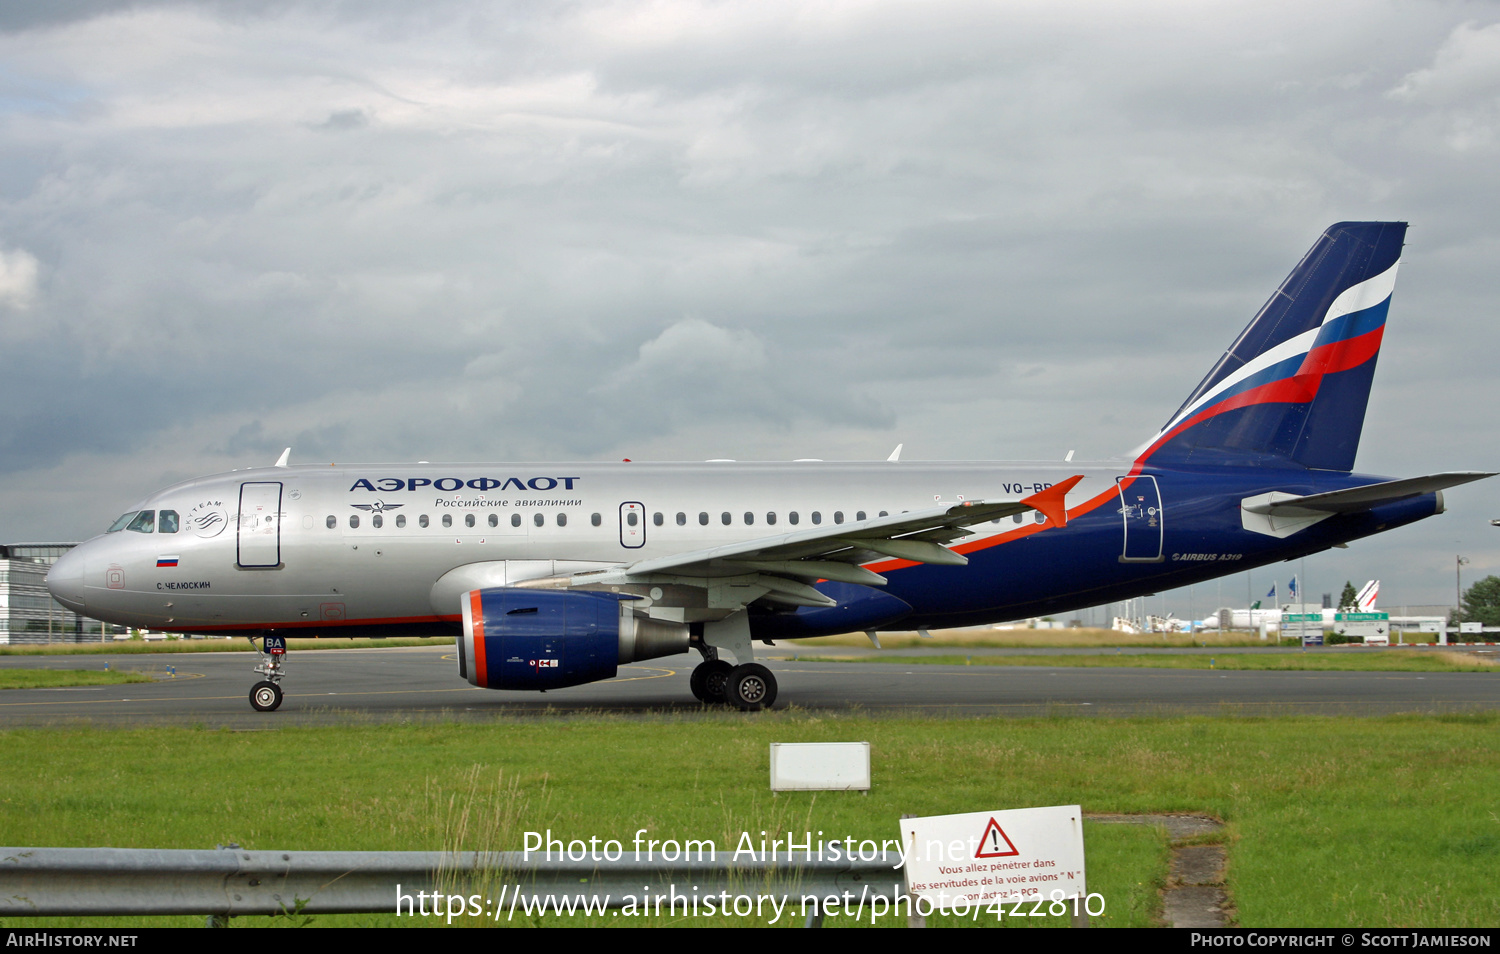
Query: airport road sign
column 1020, row 854
column 1307, row 627
column 1373, row 628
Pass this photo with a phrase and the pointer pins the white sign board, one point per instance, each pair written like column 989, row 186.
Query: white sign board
column 983, row 857
column 820, row 766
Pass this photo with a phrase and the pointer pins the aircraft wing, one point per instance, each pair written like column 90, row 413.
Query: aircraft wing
column 784, row 565
column 1362, row 498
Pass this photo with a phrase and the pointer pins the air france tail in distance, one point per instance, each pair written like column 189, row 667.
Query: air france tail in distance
column 552, row 575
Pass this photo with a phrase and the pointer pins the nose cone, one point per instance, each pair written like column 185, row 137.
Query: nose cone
column 65, row 580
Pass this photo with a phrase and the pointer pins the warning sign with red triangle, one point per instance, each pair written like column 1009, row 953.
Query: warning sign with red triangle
column 994, row 843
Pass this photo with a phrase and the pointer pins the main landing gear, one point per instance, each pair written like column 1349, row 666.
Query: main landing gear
column 265, row 696
column 749, row 688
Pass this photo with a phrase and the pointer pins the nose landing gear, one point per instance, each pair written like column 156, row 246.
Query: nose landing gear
column 265, row 696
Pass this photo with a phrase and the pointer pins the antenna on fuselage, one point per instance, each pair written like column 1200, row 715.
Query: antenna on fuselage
column 281, row 461
column 896, row 454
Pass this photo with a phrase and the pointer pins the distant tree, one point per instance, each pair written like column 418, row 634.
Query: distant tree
column 1349, row 599
column 1482, row 602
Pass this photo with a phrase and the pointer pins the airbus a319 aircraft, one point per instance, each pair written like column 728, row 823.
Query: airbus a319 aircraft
column 552, row 575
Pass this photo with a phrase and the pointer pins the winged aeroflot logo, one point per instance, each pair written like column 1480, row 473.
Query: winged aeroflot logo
column 379, row 506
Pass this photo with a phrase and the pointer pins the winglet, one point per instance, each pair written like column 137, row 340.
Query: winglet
column 285, row 455
column 1051, row 503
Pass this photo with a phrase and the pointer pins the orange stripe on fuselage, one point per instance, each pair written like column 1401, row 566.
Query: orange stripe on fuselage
column 1088, row 506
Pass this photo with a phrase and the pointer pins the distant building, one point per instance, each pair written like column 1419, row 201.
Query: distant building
column 28, row 613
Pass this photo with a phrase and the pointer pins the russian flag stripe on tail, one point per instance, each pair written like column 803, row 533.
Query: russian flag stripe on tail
column 1292, row 388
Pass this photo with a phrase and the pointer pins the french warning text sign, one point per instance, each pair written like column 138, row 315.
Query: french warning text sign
column 1016, row 855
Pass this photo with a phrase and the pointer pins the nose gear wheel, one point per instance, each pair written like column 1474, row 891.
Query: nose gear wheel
column 265, row 696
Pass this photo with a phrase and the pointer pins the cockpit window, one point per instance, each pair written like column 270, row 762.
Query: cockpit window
column 144, row 522
column 166, row 521
column 122, row 522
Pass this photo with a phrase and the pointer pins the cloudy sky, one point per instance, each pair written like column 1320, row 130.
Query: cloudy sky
column 687, row 230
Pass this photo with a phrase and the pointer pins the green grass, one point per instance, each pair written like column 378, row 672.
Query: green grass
column 240, row 645
column 988, row 637
column 1329, row 822
column 1289, row 662
column 60, row 678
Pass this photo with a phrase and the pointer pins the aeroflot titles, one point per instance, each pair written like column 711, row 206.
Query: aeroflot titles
column 457, row 483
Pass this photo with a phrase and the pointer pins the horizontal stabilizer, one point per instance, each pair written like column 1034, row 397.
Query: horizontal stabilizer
column 1362, row 498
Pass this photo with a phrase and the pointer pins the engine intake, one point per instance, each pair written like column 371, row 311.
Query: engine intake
column 516, row 638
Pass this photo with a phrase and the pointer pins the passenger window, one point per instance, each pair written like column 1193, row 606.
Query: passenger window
column 494, row 520
column 123, row 522
column 792, row 518
column 377, row 521
column 749, row 518
column 422, row 520
column 515, row 520
column 1041, row 517
column 860, row 515
column 166, row 522
column 884, row 514
column 725, row 518
column 1016, row 518
column 682, row 519
column 332, row 521
column 354, row 521
column 596, row 519
column 562, row 520
column 468, row 520
column 400, row 520
column 838, row 516
column 657, row 519
column 447, row 519
column 703, row 519
column 771, row 518
column 538, row 519
column 632, row 519
column 817, row 517
column 144, row 522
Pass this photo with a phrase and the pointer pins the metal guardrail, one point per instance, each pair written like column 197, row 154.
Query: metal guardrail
column 231, row 882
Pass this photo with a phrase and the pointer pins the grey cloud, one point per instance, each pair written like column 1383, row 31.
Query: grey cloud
column 473, row 230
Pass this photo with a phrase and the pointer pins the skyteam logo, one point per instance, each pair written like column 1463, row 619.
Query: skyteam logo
column 208, row 519
column 391, row 484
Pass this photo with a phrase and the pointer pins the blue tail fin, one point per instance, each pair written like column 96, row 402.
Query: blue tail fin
column 1294, row 385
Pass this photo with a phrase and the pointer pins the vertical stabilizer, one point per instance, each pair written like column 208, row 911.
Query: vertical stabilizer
column 1293, row 386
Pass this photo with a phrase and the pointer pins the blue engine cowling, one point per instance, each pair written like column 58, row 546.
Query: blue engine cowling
column 516, row 638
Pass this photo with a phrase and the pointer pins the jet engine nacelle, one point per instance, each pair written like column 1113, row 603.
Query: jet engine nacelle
column 517, row 638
